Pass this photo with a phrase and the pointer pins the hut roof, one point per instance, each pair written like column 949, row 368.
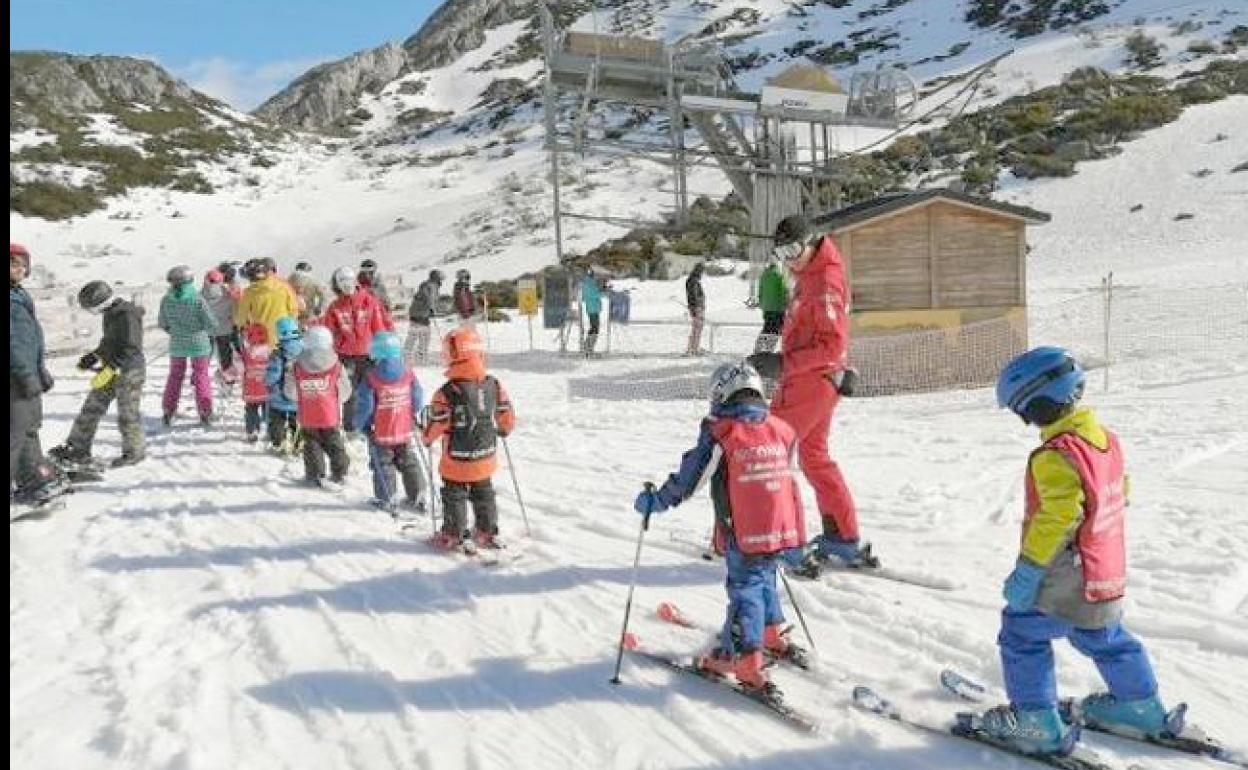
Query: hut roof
column 893, row 203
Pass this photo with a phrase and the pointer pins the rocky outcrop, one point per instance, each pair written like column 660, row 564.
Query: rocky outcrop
column 66, row 84
column 459, row 26
column 328, row 92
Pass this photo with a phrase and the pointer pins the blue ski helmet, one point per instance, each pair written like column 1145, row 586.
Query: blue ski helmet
column 1038, row 384
column 385, row 345
column 287, row 328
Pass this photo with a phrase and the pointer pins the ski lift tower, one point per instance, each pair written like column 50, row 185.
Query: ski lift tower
column 752, row 138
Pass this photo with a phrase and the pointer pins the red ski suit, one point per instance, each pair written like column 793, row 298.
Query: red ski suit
column 815, row 345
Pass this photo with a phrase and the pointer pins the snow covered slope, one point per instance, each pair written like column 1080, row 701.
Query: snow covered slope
column 202, row 611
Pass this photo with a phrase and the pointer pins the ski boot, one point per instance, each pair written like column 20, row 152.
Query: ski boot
column 386, row 506
column 252, row 437
column 446, row 541
column 1031, row 731
column 778, row 645
column 67, row 457
column 126, row 459
column 483, row 539
column 746, row 668
column 1142, row 718
column 167, row 419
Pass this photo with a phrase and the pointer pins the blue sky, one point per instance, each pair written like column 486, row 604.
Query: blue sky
column 241, row 51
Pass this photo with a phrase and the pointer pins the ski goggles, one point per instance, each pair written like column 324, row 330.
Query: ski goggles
column 789, row 251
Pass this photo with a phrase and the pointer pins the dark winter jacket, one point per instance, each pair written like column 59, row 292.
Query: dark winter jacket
column 26, row 368
column 695, row 298
column 122, row 344
column 424, row 303
column 387, row 370
column 277, row 371
column 465, row 303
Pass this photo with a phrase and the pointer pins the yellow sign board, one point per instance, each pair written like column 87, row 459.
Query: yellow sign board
column 526, row 296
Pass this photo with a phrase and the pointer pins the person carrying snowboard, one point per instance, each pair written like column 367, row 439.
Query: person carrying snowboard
column 1071, row 572
column 386, row 407
column 747, row 455
column 255, row 356
column 469, row 412
column 283, row 420
column 121, row 370
column 319, row 385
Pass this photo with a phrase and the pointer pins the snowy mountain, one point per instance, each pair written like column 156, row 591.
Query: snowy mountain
column 85, row 129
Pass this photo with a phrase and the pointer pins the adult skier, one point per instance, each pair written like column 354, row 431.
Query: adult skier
column 591, row 300
column 461, row 293
column 352, row 319
column 420, row 314
column 695, row 302
column 815, row 346
column 185, row 317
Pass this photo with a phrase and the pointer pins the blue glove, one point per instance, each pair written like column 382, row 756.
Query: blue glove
column 648, row 501
column 1023, row 586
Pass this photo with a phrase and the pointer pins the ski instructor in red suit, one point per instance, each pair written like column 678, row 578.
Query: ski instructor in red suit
column 814, row 376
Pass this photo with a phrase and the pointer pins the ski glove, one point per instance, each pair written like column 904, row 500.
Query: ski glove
column 88, row 361
column 45, row 379
column 1023, row 586
column 648, row 501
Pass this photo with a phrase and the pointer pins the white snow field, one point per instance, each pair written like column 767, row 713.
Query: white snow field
column 202, row 611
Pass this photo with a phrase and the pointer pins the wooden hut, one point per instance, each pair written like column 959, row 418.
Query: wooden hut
column 940, row 261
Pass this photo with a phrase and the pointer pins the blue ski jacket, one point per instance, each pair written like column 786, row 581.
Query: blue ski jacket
column 275, row 374
column 387, row 370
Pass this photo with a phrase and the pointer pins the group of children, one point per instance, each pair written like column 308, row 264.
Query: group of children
column 306, row 389
column 1068, row 581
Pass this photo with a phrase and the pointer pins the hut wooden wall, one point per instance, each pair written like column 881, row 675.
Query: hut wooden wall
column 935, row 256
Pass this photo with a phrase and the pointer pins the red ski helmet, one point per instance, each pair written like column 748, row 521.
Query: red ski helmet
column 17, row 250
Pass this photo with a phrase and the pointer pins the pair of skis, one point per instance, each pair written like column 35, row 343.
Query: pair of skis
column 966, row 727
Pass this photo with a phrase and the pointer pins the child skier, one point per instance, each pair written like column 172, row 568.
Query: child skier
column 386, row 405
column 1070, row 575
column 224, row 336
column 185, row 316
column 255, row 355
column 319, row 385
column 747, row 454
column 283, row 424
column 468, row 413
column 121, row 370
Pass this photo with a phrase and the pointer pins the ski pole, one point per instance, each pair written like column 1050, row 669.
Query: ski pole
column 628, row 604
column 797, row 609
column 512, row 467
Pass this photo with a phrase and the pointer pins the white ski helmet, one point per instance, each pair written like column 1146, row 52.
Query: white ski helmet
column 344, row 280
column 729, row 379
column 318, row 338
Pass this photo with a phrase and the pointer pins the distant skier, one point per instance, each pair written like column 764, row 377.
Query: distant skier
column 309, row 294
column 353, row 318
column 32, row 479
column 813, row 377
column 420, row 315
column 224, row 336
column 695, row 303
column 747, row 455
column 282, row 409
column 386, row 406
column 185, row 317
column 461, row 294
column 121, row 370
column 773, row 299
column 370, row 280
column 255, row 355
column 591, row 300
column 319, row 385
column 469, row 412
column 1071, row 571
